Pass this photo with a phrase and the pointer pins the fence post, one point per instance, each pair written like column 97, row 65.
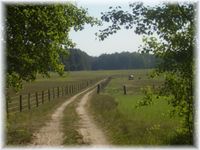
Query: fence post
column 77, row 85
column 66, row 90
column 20, row 103
column 42, row 97
column 36, row 96
column 49, row 94
column 98, row 88
column 74, row 87
column 58, row 91
column 53, row 93
column 62, row 92
column 124, row 89
column 29, row 104
column 7, row 111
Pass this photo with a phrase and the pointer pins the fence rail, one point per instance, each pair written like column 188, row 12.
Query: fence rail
column 29, row 101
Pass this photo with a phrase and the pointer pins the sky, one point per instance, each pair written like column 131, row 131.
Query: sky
column 123, row 40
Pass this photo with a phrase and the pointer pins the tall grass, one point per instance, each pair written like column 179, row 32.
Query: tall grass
column 127, row 125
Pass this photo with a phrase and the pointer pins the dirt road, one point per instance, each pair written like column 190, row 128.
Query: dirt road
column 90, row 132
column 52, row 135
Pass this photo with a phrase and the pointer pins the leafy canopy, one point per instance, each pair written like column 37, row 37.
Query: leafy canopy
column 169, row 33
column 36, row 36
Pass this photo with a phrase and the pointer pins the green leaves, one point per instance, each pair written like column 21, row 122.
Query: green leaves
column 169, row 33
column 148, row 98
column 35, row 35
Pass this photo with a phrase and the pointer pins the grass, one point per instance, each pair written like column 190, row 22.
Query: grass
column 127, row 125
column 70, row 128
column 20, row 126
column 70, row 124
column 55, row 80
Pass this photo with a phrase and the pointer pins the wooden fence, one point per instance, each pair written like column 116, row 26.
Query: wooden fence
column 102, row 85
column 29, row 101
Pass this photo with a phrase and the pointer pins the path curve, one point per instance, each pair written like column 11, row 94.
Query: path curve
column 51, row 133
column 90, row 132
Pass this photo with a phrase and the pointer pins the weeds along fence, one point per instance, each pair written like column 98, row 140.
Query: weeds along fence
column 29, row 101
column 102, row 85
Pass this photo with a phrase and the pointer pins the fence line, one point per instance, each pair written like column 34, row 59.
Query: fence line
column 31, row 100
column 102, row 85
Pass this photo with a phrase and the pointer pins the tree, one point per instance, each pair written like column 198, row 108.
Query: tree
column 36, row 35
column 169, row 33
column 124, row 60
column 77, row 60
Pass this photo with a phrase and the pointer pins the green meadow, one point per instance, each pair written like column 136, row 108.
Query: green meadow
column 126, row 124
column 115, row 112
column 21, row 125
column 43, row 83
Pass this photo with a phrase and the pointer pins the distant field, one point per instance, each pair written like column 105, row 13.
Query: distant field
column 44, row 85
column 55, row 80
column 127, row 125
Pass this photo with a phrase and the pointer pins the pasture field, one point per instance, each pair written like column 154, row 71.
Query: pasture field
column 20, row 126
column 55, row 80
column 46, row 89
column 115, row 112
column 127, row 125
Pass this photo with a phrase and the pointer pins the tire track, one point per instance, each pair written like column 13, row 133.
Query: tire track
column 90, row 132
column 51, row 134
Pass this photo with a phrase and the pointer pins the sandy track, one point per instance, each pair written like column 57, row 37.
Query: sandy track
column 88, row 129
column 51, row 134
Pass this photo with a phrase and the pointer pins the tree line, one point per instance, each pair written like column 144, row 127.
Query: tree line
column 79, row 60
column 175, row 28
